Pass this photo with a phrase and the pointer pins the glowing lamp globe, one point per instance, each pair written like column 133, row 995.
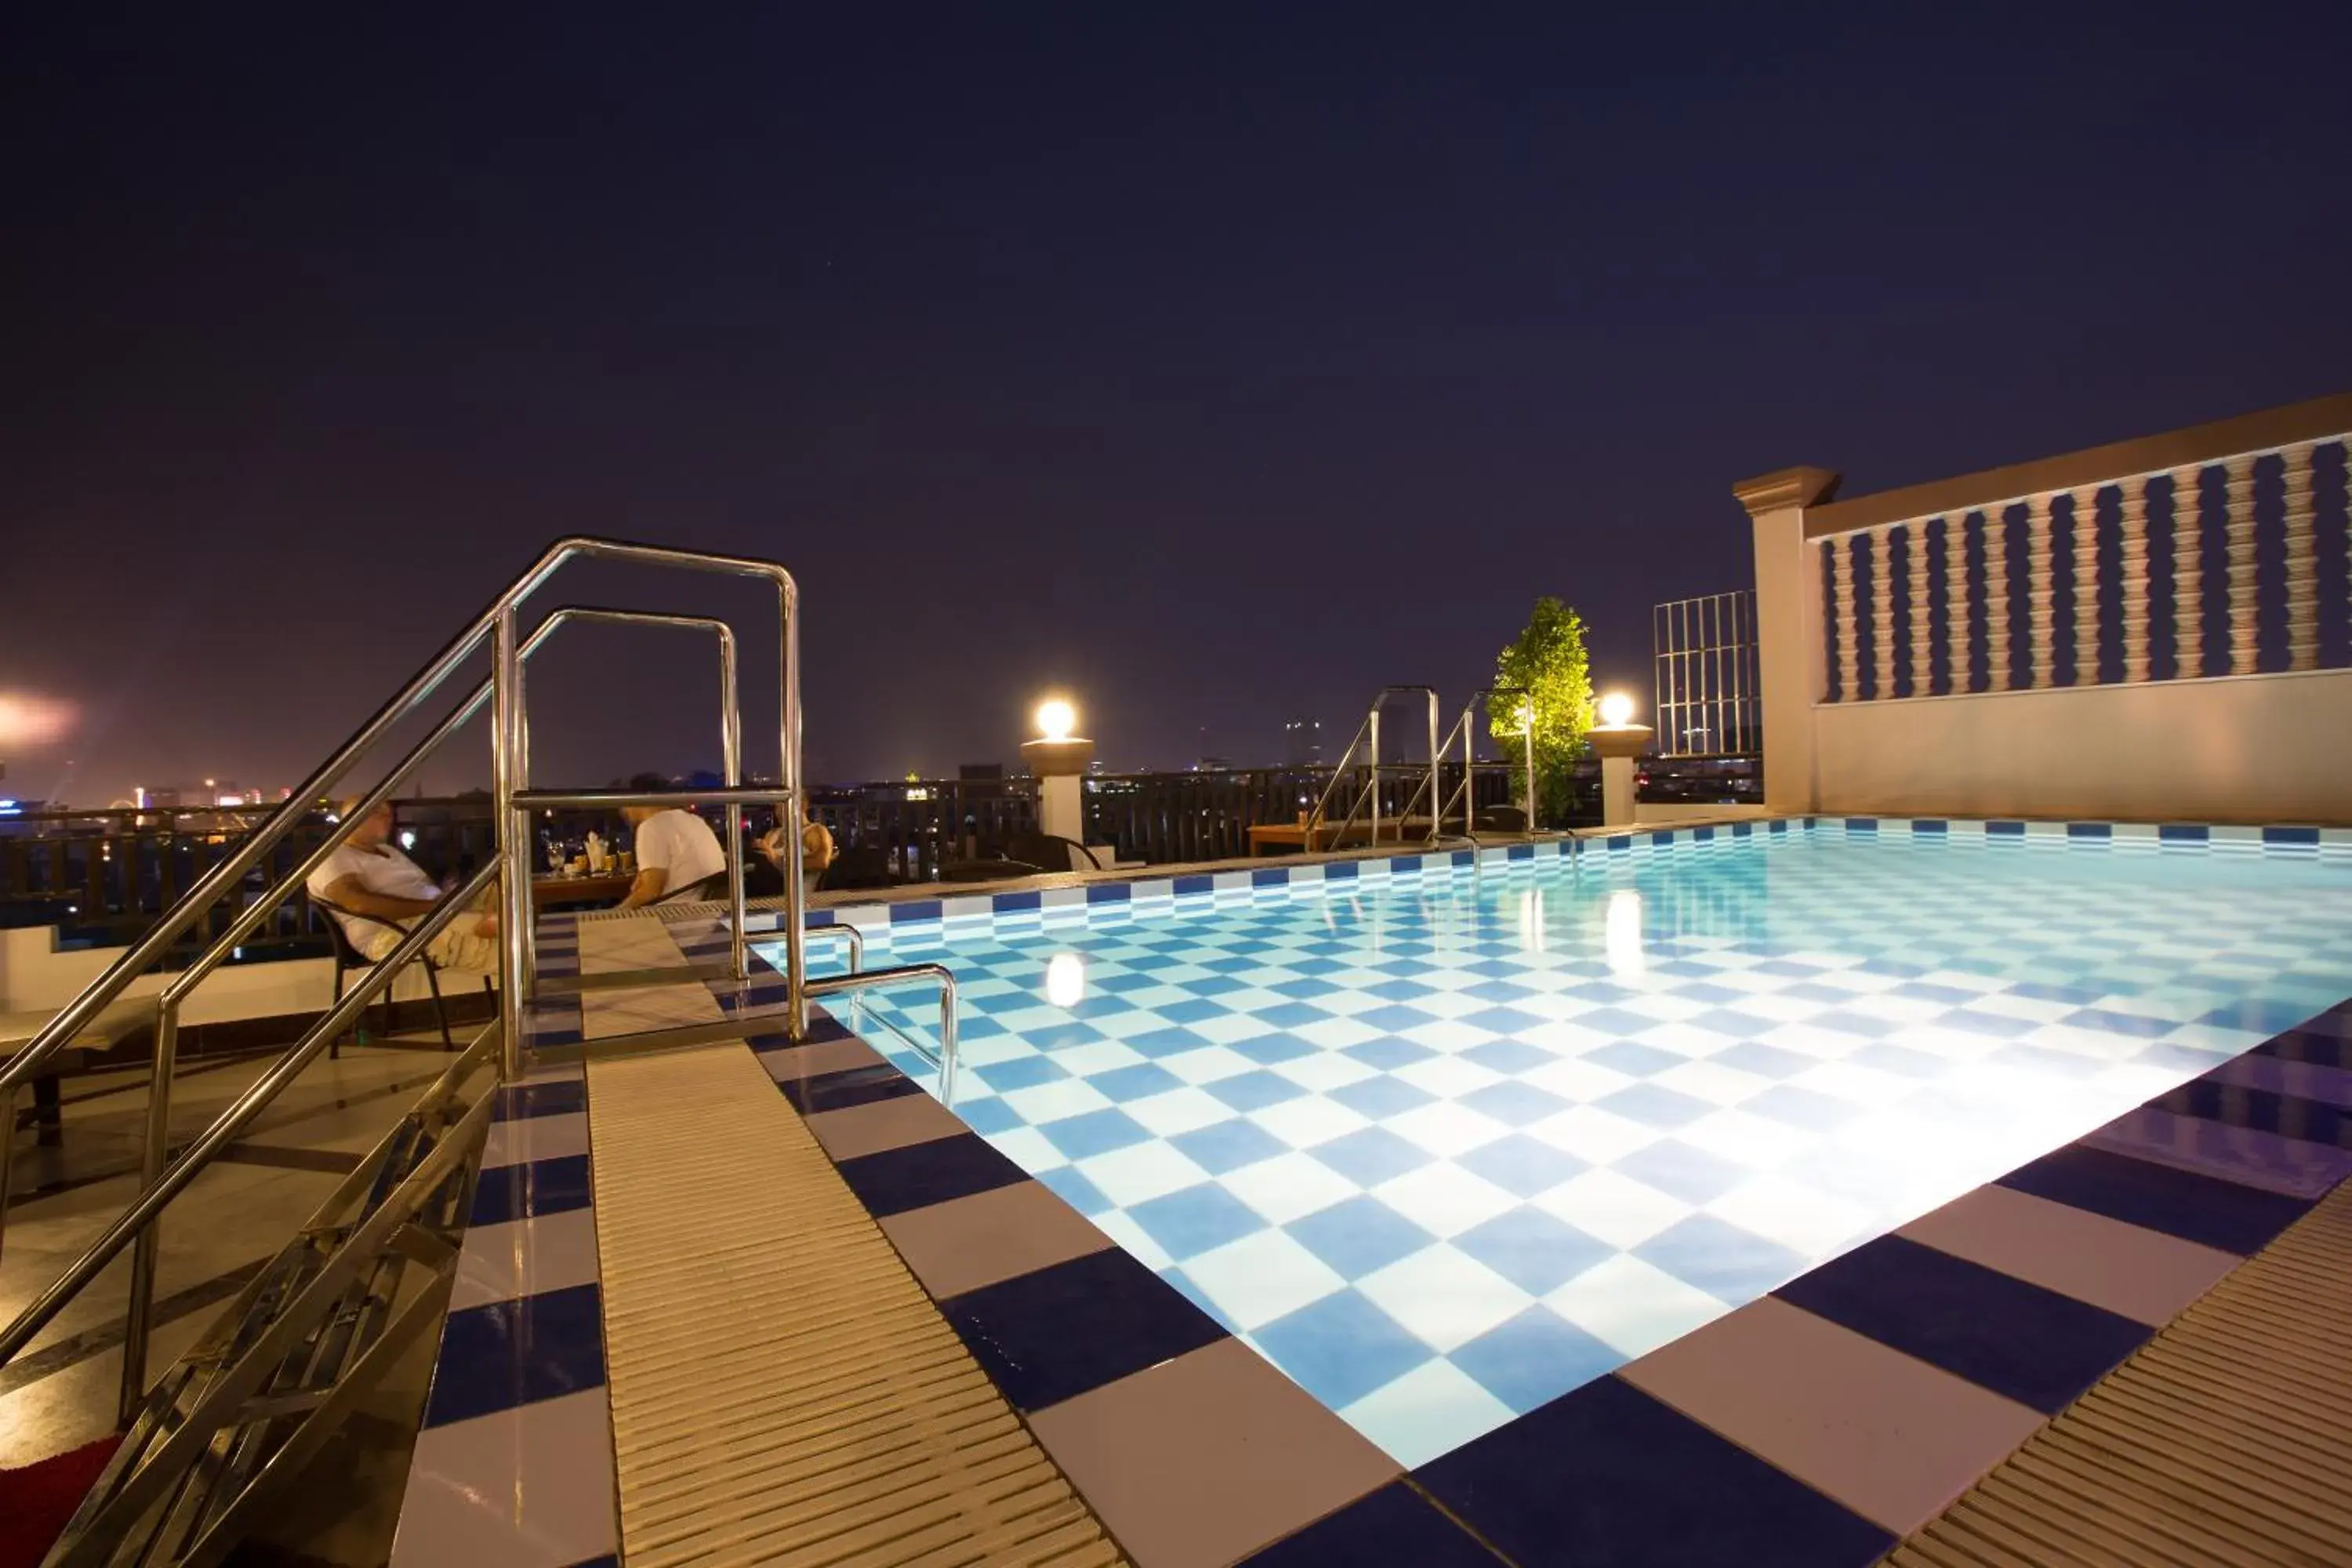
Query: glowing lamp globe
column 1056, row 720
column 1616, row 709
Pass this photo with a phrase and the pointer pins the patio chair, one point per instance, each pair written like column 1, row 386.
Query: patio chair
column 1046, row 852
column 348, row 957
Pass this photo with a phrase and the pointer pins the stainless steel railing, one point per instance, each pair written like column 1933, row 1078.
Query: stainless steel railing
column 175, row 1177
column 902, row 974
column 1369, row 733
column 510, row 872
column 1465, row 791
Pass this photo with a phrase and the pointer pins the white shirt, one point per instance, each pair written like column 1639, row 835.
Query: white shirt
column 681, row 846
column 383, row 870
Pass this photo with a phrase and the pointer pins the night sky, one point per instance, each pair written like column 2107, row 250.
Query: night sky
column 1208, row 365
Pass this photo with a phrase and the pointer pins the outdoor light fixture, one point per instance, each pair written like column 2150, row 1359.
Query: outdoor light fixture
column 1056, row 720
column 1616, row 709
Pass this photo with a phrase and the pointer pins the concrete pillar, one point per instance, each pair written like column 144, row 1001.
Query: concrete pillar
column 1788, row 627
column 1618, row 746
column 1060, row 766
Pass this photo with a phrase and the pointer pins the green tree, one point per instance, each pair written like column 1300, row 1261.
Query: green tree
column 1547, row 661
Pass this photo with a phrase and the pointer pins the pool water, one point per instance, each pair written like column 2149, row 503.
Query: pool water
column 1444, row 1146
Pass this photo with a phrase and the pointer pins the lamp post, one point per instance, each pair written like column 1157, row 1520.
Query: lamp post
column 1617, row 742
column 1058, row 760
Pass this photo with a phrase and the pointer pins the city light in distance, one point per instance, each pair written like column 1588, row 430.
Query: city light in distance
column 29, row 721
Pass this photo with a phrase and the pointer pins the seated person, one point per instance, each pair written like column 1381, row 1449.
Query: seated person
column 367, row 875
column 764, row 877
column 675, row 851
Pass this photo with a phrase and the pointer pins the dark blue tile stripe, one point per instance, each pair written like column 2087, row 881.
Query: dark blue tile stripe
column 2034, row 1345
column 920, row 1174
column 527, row 1190
column 1607, row 1477
column 840, row 1090
column 2262, row 1110
column 1057, row 1332
column 541, row 1100
column 1394, row 1524
column 2178, row 1202
column 2309, row 1046
column 508, row 1354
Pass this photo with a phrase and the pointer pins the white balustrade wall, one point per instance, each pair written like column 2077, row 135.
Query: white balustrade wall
column 2167, row 642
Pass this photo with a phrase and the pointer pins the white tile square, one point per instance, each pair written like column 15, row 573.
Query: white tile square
column 1444, row 1127
column 1443, row 1199
column 1227, row 1028
column 1336, row 1034
column 1632, row 1307
column 1139, row 1173
column 1208, row 1065
column 1580, row 1082
column 1448, row 1077
column 1596, row 1136
column 1096, row 1057
column 1756, row 1142
column 1064, row 1097
column 1857, row 1085
column 1802, row 1218
column 1616, row 1209
column 1288, row 1187
column 1716, row 1084
column 1325, row 1071
column 1445, row 1298
column 1308, row 1120
column 1178, row 1110
column 1261, row 1277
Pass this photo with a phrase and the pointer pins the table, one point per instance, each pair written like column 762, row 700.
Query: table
column 554, row 892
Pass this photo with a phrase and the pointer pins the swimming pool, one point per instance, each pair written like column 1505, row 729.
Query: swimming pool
column 1445, row 1145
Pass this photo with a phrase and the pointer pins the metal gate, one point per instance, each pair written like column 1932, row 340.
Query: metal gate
column 1706, row 652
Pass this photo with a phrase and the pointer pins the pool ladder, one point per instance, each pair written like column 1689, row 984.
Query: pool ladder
column 165, row 1174
column 1367, row 740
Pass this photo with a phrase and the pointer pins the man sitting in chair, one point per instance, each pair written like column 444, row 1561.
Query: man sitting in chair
column 676, row 851
column 367, row 876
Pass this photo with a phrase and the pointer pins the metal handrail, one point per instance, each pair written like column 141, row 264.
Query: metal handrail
column 192, row 1160
column 1371, row 729
column 176, row 991
column 511, row 870
column 900, row 974
column 494, row 622
column 1469, row 754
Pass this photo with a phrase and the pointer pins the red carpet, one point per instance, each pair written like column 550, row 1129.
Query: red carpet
column 37, row 1500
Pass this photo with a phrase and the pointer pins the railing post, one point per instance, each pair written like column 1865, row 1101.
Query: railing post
column 2085, row 569
column 2131, row 521
column 795, row 898
column 1882, row 613
column 514, row 837
column 1923, row 644
column 2238, row 487
column 1999, row 670
column 2040, row 595
column 2302, row 558
column 148, row 1246
column 2189, row 572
